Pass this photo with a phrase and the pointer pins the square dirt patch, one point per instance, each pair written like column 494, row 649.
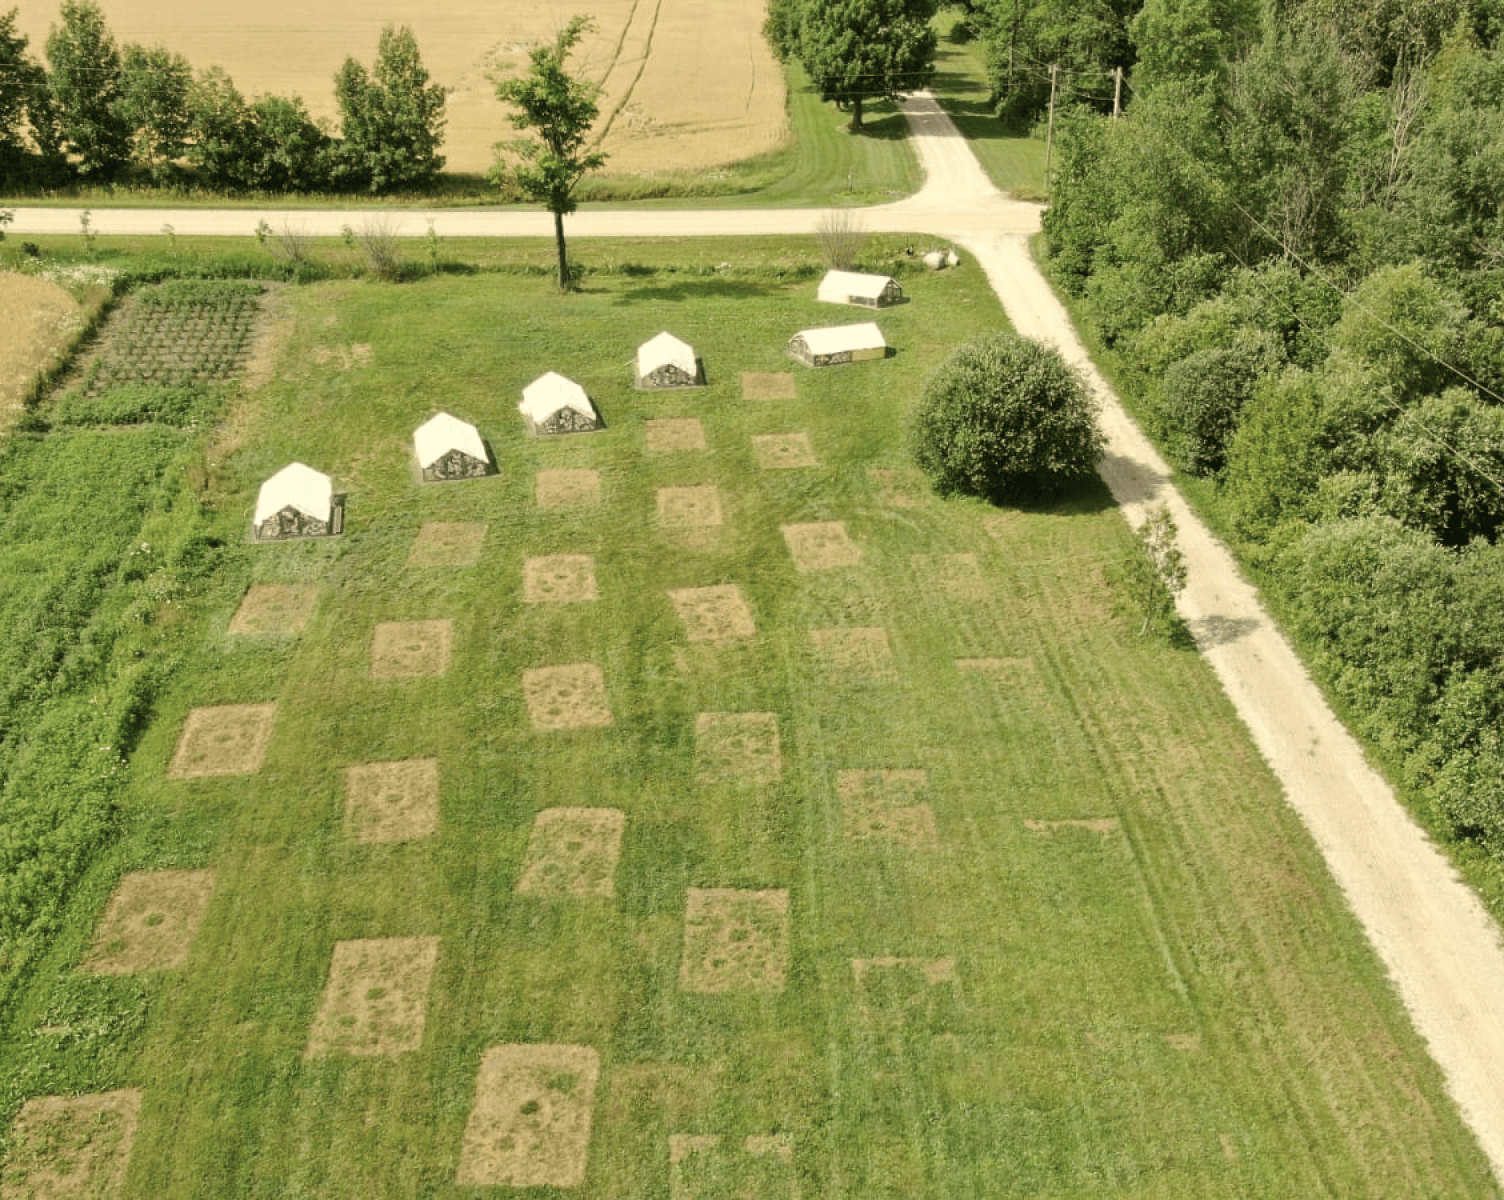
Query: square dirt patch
column 573, row 852
column 569, row 487
column 956, row 576
column 559, row 579
column 530, row 1124
column 407, row 649
column 674, row 433
column 822, row 546
column 767, row 385
column 62, row 1147
column 883, row 806
column 689, row 507
column 859, row 654
column 375, row 999
column 275, row 608
column 448, row 544
column 572, row 697
column 897, row 488
column 740, row 746
column 933, row 970
column 735, row 941
column 150, row 921
column 710, row 1167
column 778, row 451
column 392, row 801
column 226, row 739
column 713, row 614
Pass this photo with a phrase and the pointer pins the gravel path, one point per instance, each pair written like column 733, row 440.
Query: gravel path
column 1440, row 946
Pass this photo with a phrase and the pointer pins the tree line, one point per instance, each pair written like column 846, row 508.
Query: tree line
column 1292, row 241
column 98, row 112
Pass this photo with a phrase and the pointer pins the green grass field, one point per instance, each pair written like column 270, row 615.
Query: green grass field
column 1105, row 959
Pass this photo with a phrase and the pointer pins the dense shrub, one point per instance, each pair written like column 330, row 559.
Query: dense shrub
column 135, row 405
column 1006, row 419
column 1204, row 394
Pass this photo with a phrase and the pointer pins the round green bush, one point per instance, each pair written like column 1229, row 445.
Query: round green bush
column 1005, row 419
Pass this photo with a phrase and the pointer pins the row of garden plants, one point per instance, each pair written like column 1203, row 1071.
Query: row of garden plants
column 97, row 112
column 104, row 539
column 1290, row 253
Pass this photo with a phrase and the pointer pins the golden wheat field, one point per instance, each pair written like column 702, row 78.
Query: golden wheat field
column 686, row 83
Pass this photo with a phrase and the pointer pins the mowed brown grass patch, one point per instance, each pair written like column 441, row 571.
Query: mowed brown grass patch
column 408, row 649
column 392, row 801
column 735, row 940
column 955, row 576
column 566, row 697
column 150, row 922
column 741, row 746
column 224, row 739
column 573, row 852
column 767, row 385
column 713, row 614
column 673, row 433
column 559, row 579
column 71, row 1147
column 376, row 997
column 901, row 488
column 1101, row 825
column 884, row 805
column 710, row 1167
column 529, row 1125
column 448, row 544
column 821, row 546
column 568, row 487
column 275, row 608
column 689, row 507
column 783, row 451
column 858, row 655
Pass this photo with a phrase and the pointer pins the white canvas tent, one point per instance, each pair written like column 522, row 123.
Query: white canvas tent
column 853, row 287
column 554, row 404
column 665, row 361
column 449, row 448
column 296, row 502
column 838, row 344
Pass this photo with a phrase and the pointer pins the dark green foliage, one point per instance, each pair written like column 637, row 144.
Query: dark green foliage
column 1085, row 39
column 392, row 119
column 1005, row 419
column 1189, row 43
column 782, row 27
column 25, row 102
column 271, row 145
column 1204, row 394
column 155, row 86
column 858, row 50
column 1443, row 467
column 87, row 84
column 1404, row 326
column 1279, row 455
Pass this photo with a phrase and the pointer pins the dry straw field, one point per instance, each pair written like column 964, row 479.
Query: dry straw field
column 687, row 83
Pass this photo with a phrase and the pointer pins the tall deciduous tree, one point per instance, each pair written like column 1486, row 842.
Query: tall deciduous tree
column 559, row 109
column 393, row 118
column 154, row 88
column 856, row 50
column 86, row 80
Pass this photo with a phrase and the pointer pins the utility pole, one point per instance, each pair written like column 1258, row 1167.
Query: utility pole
column 1117, row 92
column 1049, row 137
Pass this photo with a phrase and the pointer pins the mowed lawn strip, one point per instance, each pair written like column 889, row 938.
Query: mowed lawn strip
column 1175, row 1005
